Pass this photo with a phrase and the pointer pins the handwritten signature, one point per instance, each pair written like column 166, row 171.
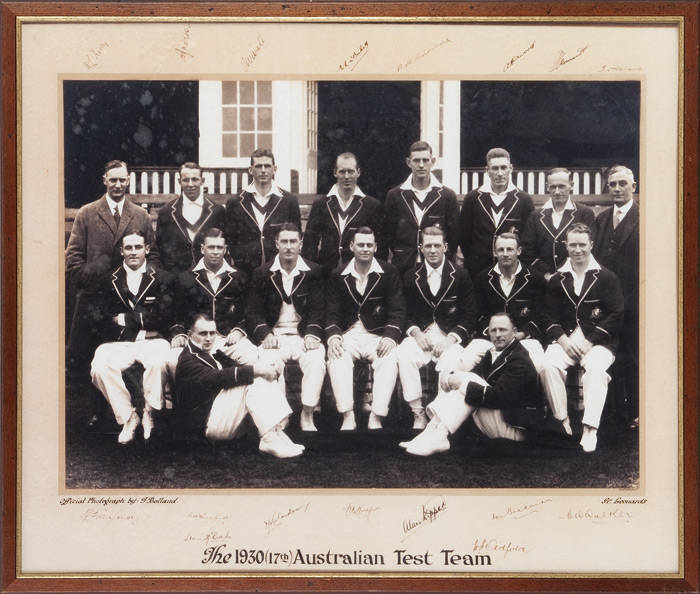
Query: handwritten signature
column 91, row 58
column 422, row 54
column 213, row 518
column 610, row 68
column 96, row 514
column 494, row 546
column 358, row 511
column 182, row 50
column 355, row 58
column 517, row 513
column 250, row 57
column 514, row 59
column 563, row 59
column 277, row 518
column 597, row 517
column 430, row 511
column 209, row 537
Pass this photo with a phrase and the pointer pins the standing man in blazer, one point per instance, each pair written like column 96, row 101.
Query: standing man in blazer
column 441, row 318
column 617, row 248
column 497, row 206
column 254, row 217
column 286, row 314
column 334, row 218
column 181, row 220
column 364, row 320
column 583, row 314
column 420, row 201
column 544, row 236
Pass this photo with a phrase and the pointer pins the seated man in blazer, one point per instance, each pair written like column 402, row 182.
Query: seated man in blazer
column 583, row 313
column 499, row 395
column 365, row 313
column 509, row 287
column 214, row 394
column 285, row 316
column 441, row 317
column 131, row 315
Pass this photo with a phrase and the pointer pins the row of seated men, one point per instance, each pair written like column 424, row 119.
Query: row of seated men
column 363, row 310
column 249, row 223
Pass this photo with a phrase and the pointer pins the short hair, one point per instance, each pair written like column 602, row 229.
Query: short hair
column 419, row 145
column 210, row 232
column 432, row 230
column 619, row 169
column 364, row 230
column 496, row 153
column 196, row 316
column 114, row 164
column 138, row 232
column 288, row 227
column 190, row 165
column 512, row 234
column 260, row 152
column 346, row 155
column 580, row 228
column 559, row 170
column 503, row 314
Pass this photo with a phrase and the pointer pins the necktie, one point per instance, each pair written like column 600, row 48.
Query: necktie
column 117, row 218
column 434, row 282
column 617, row 217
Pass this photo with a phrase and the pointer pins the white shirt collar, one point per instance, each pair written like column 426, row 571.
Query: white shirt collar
column 225, row 267
column 334, row 192
column 140, row 270
column 111, row 203
column 299, row 267
column 434, row 183
column 429, row 269
column 496, row 354
column 274, row 190
column 199, row 201
column 486, row 186
column 592, row 265
column 568, row 206
column 350, row 268
column 497, row 270
column 623, row 210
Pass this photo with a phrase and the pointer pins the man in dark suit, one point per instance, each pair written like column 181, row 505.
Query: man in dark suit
column 254, row 217
column 421, row 201
column 617, row 248
column 180, row 221
column 334, row 218
column 214, row 394
column 583, row 313
column 131, row 315
column 513, row 288
column 441, row 318
column 544, row 236
column 497, row 206
column 365, row 314
column 286, row 314
column 500, row 396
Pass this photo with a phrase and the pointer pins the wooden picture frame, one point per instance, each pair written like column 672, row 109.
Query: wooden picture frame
column 683, row 15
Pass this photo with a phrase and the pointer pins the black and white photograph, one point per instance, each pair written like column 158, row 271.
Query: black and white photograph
column 314, row 283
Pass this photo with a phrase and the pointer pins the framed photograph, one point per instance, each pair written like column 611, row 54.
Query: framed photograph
column 569, row 85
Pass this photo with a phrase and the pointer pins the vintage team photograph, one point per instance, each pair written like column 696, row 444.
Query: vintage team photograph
column 351, row 284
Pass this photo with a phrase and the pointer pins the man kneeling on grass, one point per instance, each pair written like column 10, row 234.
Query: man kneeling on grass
column 215, row 393
column 500, row 394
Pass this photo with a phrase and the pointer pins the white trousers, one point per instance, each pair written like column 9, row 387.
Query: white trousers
column 452, row 411
column 595, row 381
column 312, row 363
column 360, row 344
column 111, row 358
column 411, row 358
column 243, row 352
column 474, row 352
column 264, row 401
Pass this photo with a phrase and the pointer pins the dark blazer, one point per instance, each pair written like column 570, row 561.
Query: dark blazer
column 401, row 228
column 544, row 246
column 177, row 252
column 478, row 229
column 323, row 242
column 381, row 309
column 598, row 310
column 453, row 309
column 248, row 246
column 150, row 309
column 266, row 296
column 524, row 303
column 226, row 305
column 513, row 387
column 93, row 247
column 199, row 381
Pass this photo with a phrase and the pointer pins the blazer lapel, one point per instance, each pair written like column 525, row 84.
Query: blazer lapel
column 201, row 277
column 483, row 200
column 178, row 219
column 127, row 215
column 448, row 279
column 521, row 281
column 496, row 284
column 508, row 205
column 421, row 281
column 108, row 217
column 276, row 278
column 147, row 279
column 247, row 207
column 624, row 229
column 407, row 196
column 120, row 286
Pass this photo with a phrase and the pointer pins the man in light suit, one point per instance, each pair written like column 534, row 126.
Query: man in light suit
column 441, row 318
column 500, row 396
column 544, row 236
column 583, row 314
column 617, row 248
column 420, row 201
column 334, row 218
column 496, row 207
column 180, row 222
column 365, row 314
column 214, row 394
